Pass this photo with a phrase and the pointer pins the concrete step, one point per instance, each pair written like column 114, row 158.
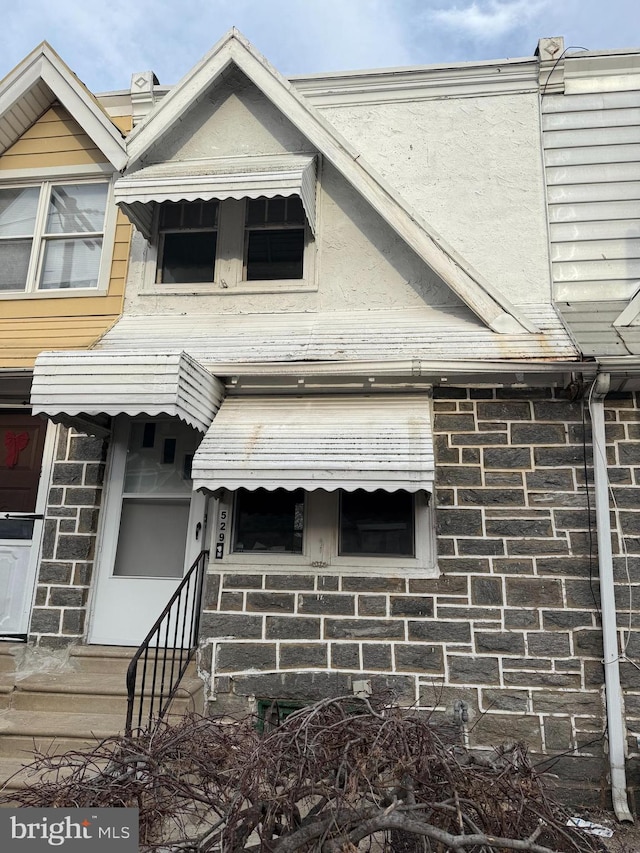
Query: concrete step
column 7, row 656
column 82, row 692
column 23, row 731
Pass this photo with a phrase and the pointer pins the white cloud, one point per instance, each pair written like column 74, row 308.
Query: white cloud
column 490, row 20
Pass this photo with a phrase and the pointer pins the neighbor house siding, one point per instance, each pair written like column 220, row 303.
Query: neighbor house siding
column 30, row 324
column 592, row 159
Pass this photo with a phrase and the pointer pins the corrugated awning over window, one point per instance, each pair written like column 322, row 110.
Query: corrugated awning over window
column 264, row 176
column 330, row 442
column 81, row 388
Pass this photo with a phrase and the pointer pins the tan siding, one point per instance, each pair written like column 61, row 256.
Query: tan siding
column 22, row 340
column 123, row 123
column 54, row 140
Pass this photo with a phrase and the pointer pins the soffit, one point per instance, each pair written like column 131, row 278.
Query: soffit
column 329, row 442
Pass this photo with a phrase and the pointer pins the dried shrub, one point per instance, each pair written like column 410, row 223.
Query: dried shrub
column 344, row 774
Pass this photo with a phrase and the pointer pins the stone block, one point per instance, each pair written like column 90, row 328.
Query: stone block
column 364, row 629
column 546, row 645
column 88, row 520
column 559, row 620
column 238, row 657
column 45, row 620
column 270, row 602
column 444, row 454
column 345, row 656
column 82, row 496
column 328, row 583
column 444, row 585
column 486, row 591
column 82, row 574
column 292, row 628
column 508, row 479
column 326, row 604
column 557, row 456
column 504, row 410
column 73, row 621
column 459, row 522
column 292, row 582
column 514, row 619
column 538, row 678
column 445, row 547
column 441, row 392
column 583, row 594
column 67, row 525
column 376, row 656
column 211, row 591
column 507, row 642
column 469, row 613
column 480, row 439
column 454, row 423
column 232, row 601
column 481, row 547
column 525, row 527
column 473, row 670
column 536, row 433
column 87, row 448
column 55, row 496
column 372, row 605
column 513, row 567
column 56, row 573
column 303, row 655
column 67, row 474
column 533, row 592
column 557, row 410
column 629, row 453
column 588, row 643
column 303, row 687
column 417, row 658
column 373, row 583
column 458, row 475
column 439, row 631
column 94, row 473
column 572, row 703
column 471, row 456
column 411, row 606
column 494, row 699
column 240, row 626
column 465, row 566
column 492, row 730
column 75, row 547
column 518, row 547
column 242, row 581
column 491, row 497
column 507, row 457
column 67, row 596
column 551, row 480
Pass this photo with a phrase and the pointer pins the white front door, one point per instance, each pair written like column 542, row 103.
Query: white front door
column 153, row 527
column 23, row 491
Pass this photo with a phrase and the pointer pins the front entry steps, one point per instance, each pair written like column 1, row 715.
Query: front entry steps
column 57, row 701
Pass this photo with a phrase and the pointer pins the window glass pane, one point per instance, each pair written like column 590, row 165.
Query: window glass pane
column 189, row 214
column 151, row 538
column 269, row 521
column 14, row 263
column 71, row 263
column 76, row 208
column 18, row 208
column 275, row 254
column 275, row 211
column 377, row 523
column 188, row 257
column 148, row 471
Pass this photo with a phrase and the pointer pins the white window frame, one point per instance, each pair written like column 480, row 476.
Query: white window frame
column 229, row 268
column 320, row 542
column 44, row 180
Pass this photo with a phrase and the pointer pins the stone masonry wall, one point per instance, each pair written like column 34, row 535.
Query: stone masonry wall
column 510, row 628
column 68, row 547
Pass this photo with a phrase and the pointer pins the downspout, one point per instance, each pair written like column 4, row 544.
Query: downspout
column 616, row 725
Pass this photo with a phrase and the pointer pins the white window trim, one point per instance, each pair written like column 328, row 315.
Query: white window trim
column 228, row 275
column 51, row 176
column 320, row 543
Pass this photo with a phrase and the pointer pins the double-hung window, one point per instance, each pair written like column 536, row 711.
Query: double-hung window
column 51, row 235
column 343, row 530
column 232, row 243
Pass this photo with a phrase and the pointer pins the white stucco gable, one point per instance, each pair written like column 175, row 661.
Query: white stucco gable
column 233, row 55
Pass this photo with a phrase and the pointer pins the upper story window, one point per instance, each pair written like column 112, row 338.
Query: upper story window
column 51, row 235
column 232, row 242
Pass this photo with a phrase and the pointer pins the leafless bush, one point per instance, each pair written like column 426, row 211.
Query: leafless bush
column 339, row 776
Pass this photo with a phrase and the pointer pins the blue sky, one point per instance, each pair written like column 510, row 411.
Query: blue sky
column 105, row 45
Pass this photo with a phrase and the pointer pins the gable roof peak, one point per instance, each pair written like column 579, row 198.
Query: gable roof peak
column 31, row 88
column 487, row 302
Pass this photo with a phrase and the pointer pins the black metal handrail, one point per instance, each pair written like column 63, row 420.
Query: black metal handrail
column 165, row 652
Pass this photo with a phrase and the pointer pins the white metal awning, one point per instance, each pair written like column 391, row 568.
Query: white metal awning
column 216, row 178
column 332, row 442
column 79, row 388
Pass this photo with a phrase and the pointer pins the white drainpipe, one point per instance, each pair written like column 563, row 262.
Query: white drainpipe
column 616, row 725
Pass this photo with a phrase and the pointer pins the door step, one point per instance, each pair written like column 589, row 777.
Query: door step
column 66, row 701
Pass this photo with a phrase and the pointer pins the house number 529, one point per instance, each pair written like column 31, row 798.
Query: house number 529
column 222, row 533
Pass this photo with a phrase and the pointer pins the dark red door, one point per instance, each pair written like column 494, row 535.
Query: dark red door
column 21, row 447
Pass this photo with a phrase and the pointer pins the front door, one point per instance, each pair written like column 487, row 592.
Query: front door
column 21, row 449
column 153, row 527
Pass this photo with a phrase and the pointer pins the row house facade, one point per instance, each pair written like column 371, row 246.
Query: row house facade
column 376, row 356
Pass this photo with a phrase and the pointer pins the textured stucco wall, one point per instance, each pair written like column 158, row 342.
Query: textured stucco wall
column 472, row 168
